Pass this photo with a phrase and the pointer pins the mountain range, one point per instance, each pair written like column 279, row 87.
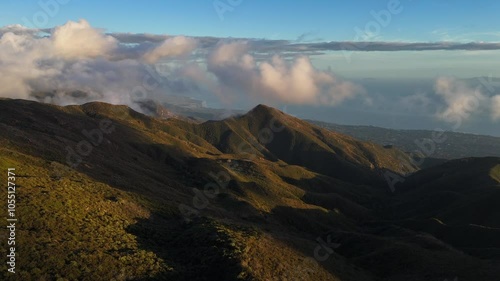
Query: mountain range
column 106, row 192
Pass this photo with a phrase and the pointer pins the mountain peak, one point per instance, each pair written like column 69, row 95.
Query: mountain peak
column 264, row 110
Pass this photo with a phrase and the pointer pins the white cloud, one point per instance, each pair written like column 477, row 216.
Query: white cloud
column 19, row 63
column 461, row 100
column 79, row 57
column 80, row 40
column 171, row 47
column 296, row 82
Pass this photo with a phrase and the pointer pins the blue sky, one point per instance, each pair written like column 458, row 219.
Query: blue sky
column 323, row 20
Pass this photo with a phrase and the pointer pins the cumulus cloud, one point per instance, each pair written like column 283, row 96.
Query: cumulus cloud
column 461, row 100
column 21, row 60
column 172, row 47
column 76, row 63
column 277, row 79
column 80, row 40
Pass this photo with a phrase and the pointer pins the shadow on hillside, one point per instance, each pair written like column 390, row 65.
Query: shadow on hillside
column 367, row 236
column 192, row 251
column 385, row 250
column 323, row 162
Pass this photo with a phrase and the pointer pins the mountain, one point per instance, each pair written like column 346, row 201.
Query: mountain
column 269, row 133
column 455, row 145
column 107, row 193
column 192, row 109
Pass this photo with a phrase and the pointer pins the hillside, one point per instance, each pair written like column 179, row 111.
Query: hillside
column 107, row 193
column 456, row 202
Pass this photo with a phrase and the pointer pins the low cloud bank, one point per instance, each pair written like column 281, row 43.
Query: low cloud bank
column 77, row 57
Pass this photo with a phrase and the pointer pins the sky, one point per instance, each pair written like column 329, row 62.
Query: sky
column 391, row 63
column 423, row 20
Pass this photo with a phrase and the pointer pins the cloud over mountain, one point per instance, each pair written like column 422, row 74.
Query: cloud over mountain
column 277, row 79
column 115, row 67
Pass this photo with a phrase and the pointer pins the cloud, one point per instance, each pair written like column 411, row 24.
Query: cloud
column 299, row 46
column 80, row 40
column 138, row 38
column 461, row 100
column 76, row 63
column 389, row 46
column 418, row 103
column 19, row 63
column 108, row 66
column 465, row 98
column 172, row 47
column 21, row 30
column 495, row 107
column 276, row 80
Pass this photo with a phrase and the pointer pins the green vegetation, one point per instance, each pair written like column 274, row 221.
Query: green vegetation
column 75, row 228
